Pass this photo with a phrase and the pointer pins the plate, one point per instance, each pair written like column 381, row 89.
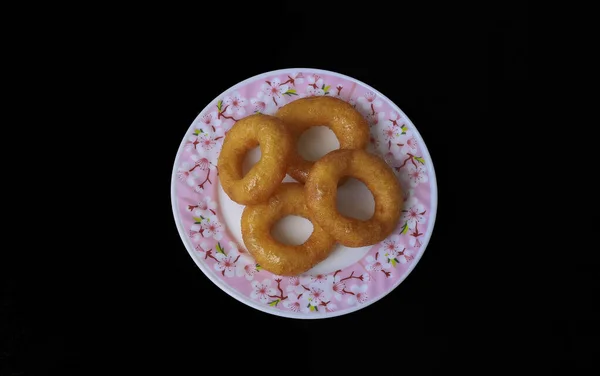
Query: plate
column 350, row 278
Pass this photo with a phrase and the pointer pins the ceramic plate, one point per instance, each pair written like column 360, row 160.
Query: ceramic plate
column 350, row 278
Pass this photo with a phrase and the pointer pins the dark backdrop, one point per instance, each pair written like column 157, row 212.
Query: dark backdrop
column 130, row 296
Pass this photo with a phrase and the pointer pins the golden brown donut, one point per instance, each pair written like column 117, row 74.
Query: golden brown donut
column 321, row 192
column 265, row 176
column 348, row 125
column 278, row 258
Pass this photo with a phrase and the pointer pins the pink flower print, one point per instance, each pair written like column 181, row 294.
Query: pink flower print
column 203, row 248
column 336, row 91
column 188, row 173
column 207, row 141
column 379, row 263
column 395, row 119
column 226, row 264
column 338, row 289
column 191, row 143
column 375, row 118
column 369, row 102
column 316, row 87
column 414, row 213
column 293, row 303
column 261, row 291
column 259, row 102
column 312, row 300
column 234, row 104
column 203, row 165
column 417, row 175
column 274, row 91
column 392, row 250
column 366, row 277
column 318, row 280
column 246, row 267
column 328, row 306
column 405, row 256
column 199, row 213
column 312, row 92
column 205, row 207
column 196, row 232
column 391, row 135
column 212, row 228
column 202, row 162
column 295, row 285
column 315, row 296
column 415, row 239
column 359, row 294
column 391, row 247
column 410, row 145
column 315, row 82
column 294, row 78
column 210, row 122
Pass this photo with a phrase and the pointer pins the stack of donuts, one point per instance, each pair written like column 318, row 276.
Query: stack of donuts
column 268, row 199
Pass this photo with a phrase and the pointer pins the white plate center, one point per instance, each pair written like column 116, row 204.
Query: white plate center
column 302, row 229
column 316, row 142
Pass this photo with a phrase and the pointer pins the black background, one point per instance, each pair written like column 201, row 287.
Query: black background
column 131, row 298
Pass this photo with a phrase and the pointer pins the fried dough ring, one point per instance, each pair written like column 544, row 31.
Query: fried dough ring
column 321, row 191
column 265, row 176
column 348, row 125
column 278, row 258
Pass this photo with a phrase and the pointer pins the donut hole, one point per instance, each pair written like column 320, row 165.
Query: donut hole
column 292, row 230
column 355, row 200
column 252, row 157
column 317, row 141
